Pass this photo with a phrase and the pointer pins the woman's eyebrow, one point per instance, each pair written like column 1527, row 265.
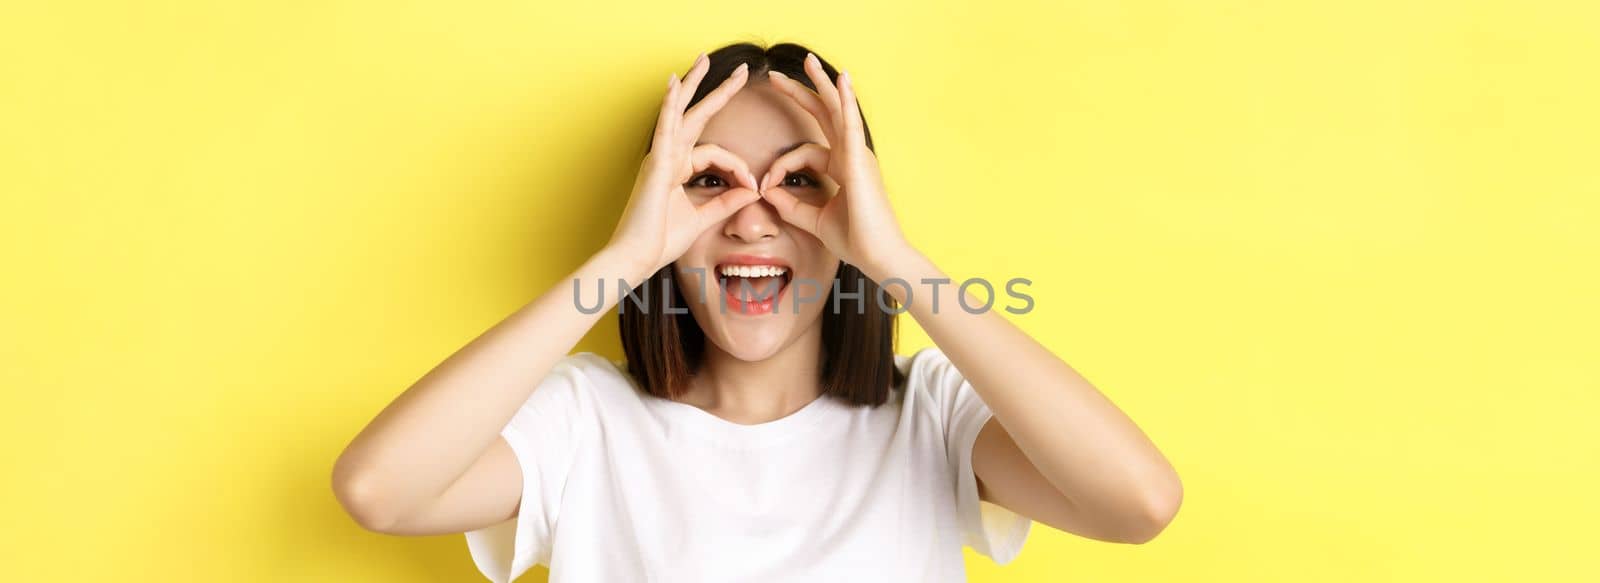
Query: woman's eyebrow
column 780, row 152
column 793, row 147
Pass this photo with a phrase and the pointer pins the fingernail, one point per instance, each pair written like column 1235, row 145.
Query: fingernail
column 743, row 68
column 780, row 75
column 702, row 57
column 673, row 80
column 845, row 76
column 811, row 57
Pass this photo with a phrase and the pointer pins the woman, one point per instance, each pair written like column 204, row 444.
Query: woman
column 768, row 431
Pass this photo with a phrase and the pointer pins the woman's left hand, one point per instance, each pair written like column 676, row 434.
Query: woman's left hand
column 856, row 223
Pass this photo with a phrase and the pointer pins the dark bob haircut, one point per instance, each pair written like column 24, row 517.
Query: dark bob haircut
column 664, row 349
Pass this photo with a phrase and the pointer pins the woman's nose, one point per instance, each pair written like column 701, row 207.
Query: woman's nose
column 757, row 221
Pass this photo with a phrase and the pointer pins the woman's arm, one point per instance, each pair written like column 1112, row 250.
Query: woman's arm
column 435, row 431
column 433, row 461
column 1056, row 450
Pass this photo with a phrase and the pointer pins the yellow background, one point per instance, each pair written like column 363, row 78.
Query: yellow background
column 1338, row 259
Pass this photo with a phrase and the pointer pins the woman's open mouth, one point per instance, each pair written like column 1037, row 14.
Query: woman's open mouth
column 752, row 285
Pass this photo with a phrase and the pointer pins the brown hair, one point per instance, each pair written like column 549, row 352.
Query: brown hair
column 664, row 349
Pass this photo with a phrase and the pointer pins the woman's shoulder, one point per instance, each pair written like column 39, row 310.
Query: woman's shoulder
column 930, row 374
column 932, row 377
column 932, row 381
column 591, row 363
column 594, row 373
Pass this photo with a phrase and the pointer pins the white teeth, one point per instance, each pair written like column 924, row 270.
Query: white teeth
column 753, row 270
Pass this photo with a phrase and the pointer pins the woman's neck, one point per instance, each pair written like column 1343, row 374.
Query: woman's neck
column 757, row 392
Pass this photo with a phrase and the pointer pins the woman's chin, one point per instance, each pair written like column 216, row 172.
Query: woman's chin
column 752, row 343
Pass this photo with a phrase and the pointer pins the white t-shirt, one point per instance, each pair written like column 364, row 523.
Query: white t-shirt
column 619, row 485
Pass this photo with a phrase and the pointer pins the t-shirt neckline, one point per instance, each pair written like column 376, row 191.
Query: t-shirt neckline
column 729, row 433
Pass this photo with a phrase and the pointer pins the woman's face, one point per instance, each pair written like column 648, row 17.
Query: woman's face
column 753, row 265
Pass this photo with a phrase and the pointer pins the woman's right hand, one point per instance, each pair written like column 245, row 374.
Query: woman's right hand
column 661, row 220
column 433, row 461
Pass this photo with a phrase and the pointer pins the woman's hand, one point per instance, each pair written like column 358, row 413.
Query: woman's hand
column 661, row 221
column 856, row 223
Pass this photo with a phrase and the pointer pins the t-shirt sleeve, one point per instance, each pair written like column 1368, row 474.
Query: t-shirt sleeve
column 544, row 434
column 990, row 529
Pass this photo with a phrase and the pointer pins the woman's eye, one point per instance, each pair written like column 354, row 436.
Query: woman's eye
column 800, row 179
column 707, row 181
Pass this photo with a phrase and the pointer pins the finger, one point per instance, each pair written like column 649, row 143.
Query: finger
column 825, row 89
column 695, row 120
column 691, row 80
column 811, row 156
column 853, row 132
column 663, row 135
column 793, row 211
column 707, row 155
column 724, row 205
column 807, row 100
column 675, row 113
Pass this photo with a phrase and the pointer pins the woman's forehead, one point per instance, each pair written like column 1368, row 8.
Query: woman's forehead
column 759, row 123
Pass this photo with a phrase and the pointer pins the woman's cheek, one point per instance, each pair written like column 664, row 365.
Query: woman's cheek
column 824, row 264
column 699, row 196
